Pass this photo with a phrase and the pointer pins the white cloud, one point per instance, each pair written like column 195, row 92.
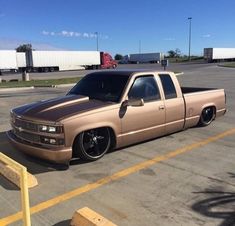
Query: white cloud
column 63, row 33
column 76, row 34
column 92, row 35
column 169, row 39
column 86, row 35
column 105, row 37
column 206, row 36
column 45, row 32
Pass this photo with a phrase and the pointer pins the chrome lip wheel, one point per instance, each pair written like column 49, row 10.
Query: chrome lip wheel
column 207, row 115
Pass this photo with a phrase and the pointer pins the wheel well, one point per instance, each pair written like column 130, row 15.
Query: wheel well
column 112, row 136
column 210, row 106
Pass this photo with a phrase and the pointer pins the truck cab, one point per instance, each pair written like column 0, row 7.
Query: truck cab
column 107, row 61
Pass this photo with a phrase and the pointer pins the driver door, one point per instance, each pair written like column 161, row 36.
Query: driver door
column 143, row 122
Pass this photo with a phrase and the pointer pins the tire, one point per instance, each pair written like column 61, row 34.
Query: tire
column 92, row 144
column 207, row 116
column 52, row 69
column 46, row 69
column 114, row 66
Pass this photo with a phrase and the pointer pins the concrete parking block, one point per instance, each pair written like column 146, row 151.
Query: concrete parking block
column 88, row 217
column 14, row 176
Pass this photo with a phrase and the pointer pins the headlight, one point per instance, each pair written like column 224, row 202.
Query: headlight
column 50, row 129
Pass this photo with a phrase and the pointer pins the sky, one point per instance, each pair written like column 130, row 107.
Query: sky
column 122, row 26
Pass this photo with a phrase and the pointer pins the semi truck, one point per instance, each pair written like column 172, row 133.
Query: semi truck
column 8, row 60
column 45, row 61
column 217, row 54
column 49, row 61
column 146, row 58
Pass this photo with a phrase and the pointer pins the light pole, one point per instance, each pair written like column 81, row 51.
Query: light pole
column 97, row 40
column 139, row 46
column 189, row 44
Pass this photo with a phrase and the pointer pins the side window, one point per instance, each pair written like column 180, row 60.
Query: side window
column 168, row 86
column 145, row 88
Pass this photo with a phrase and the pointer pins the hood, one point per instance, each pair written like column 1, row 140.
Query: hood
column 59, row 108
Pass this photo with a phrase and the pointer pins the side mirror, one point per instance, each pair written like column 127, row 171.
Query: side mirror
column 133, row 103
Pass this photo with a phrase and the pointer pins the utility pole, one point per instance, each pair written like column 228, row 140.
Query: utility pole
column 189, row 45
column 97, row 40
column 139, row 46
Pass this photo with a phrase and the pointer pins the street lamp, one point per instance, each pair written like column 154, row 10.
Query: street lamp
column 97, row 40
column 189, row 45
column 139, row 46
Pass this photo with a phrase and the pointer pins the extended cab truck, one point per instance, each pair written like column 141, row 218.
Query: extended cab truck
column 111, row 109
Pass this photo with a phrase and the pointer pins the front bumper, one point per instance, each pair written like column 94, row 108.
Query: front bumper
column 62, row 155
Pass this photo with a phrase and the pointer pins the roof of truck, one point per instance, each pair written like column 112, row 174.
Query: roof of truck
column 127, row 72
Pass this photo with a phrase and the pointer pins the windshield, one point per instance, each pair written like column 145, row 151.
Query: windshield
column 105, row 87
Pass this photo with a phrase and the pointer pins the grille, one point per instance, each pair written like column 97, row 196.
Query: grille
column 27, row 136
column 20, row 125
column 29, row 131
column 25, row 125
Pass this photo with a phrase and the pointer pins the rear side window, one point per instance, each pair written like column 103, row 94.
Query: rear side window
column 145, row 88
column 168, row 86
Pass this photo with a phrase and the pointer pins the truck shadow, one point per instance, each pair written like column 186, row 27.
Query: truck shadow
column 63, row 223
column 34, row 165
column 219, row 204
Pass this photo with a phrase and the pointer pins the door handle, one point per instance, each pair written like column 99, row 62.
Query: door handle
column 161, row 107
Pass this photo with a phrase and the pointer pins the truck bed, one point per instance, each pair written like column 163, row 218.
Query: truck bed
column 188, row 90
column 196, row 99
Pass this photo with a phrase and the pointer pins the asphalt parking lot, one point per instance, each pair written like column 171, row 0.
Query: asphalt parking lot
column 187, row 178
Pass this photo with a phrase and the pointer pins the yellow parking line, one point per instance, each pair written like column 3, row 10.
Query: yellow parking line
column 123, row 173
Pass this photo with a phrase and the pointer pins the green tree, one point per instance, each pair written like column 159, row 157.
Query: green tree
column 177, row 52
column 174, row 53
column 118, row 57
column 24, row 48
column 171, row 53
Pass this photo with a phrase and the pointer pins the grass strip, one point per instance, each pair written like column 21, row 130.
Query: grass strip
column 231, row 65
column 47, row 82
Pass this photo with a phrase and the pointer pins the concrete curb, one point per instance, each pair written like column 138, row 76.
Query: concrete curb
column 34, row 87
column 181, row 73
column 65, row 85
column 45, row 86
column 16, row 89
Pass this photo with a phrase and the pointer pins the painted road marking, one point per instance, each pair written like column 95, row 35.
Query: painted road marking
column 123, row 173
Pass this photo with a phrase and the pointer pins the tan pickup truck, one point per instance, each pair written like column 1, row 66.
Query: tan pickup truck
column 111, row 109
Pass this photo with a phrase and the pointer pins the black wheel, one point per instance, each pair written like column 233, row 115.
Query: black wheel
column 114, row 66
column 52, row 69
column 92, row 144
column 207, row 116
column 46, row 69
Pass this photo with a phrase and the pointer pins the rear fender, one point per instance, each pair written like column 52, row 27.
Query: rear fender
column 209, row 105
